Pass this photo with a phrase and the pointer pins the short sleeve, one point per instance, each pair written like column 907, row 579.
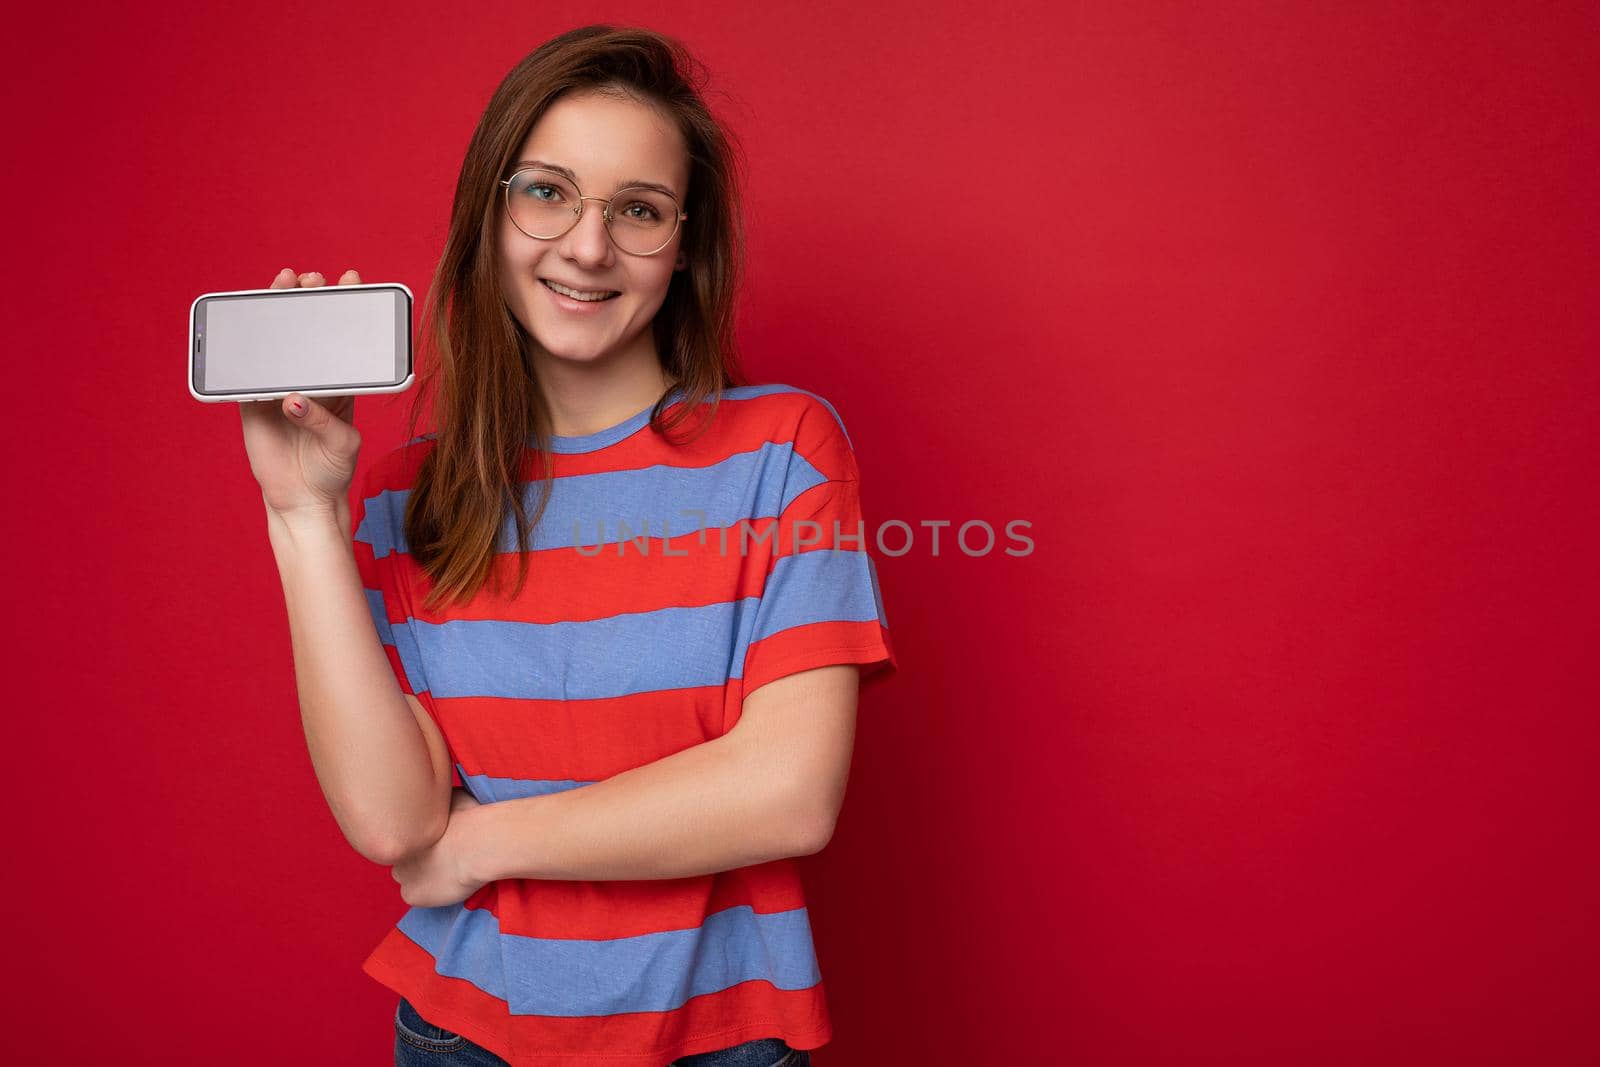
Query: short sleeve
column 378, row 540
column 821, row 603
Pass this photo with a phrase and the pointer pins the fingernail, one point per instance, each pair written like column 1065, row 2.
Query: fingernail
column 297, row 406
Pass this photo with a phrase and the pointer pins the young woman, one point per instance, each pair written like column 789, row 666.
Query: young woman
column 581, row 665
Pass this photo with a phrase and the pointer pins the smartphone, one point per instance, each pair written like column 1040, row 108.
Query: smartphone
column 328, row 340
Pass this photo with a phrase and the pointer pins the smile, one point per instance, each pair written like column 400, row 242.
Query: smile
column 578, row 294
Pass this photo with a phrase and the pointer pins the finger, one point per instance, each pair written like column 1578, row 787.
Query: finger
column 312, row 279
column 286, row 279
column 350, row 277
column 340, row 437
column 306, row 411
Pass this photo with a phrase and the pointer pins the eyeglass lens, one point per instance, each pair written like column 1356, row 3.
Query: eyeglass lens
column 544, row 204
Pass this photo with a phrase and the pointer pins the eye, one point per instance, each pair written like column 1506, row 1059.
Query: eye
column 649, row 212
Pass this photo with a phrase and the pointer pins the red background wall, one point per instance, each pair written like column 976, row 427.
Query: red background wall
column 1277, row 322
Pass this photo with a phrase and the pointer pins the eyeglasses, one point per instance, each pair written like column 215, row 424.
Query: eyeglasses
column 545, row 205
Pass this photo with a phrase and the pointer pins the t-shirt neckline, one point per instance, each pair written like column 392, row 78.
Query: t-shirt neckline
column 591, row 442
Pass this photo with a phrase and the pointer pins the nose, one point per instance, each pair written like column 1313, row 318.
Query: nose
column 589, row 241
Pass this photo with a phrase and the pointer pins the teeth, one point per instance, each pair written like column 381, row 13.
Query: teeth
column 574, row 293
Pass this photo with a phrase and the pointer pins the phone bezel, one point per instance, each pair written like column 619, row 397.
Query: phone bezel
column 278, row 394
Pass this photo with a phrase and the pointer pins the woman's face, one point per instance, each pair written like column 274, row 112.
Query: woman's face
column 607, row 142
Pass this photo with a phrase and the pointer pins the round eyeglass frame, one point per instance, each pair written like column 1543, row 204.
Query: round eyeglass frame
column 577, row 212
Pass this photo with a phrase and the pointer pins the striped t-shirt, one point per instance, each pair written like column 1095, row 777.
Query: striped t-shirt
column 666, row 582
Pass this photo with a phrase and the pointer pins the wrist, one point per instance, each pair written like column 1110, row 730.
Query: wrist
column 309, row 520
column 476, row 836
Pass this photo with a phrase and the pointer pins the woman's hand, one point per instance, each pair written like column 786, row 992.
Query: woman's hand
column 304, row 461
column 444, row 872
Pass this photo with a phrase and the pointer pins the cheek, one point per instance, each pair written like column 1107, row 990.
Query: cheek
column 516, row 253
column 652, row 284
column 516, row 266
column 513, row 267
column 653, row 297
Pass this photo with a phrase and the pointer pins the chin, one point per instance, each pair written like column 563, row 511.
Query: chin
column 568, row 353
column 575, row 351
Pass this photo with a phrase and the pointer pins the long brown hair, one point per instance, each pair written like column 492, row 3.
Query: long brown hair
column 489, row 408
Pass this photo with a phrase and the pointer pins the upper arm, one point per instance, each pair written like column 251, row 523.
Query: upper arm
column 820, row 603
column 800, row 730
column 377, row 541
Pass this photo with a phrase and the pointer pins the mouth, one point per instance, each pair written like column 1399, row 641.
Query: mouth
column 587, row 296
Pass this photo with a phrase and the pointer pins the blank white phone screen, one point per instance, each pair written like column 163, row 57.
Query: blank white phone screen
column 302, row 341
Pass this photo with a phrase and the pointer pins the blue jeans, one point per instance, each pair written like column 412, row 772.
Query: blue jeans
column 419, row 1043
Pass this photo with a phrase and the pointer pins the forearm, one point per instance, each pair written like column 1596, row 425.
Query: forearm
column 711, row 807
column 366, row 747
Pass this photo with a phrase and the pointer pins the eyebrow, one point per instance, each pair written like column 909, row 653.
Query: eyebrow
column 566, row 172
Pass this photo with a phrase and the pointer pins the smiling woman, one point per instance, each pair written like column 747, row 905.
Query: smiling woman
column 642, row 743
column 556, row 244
